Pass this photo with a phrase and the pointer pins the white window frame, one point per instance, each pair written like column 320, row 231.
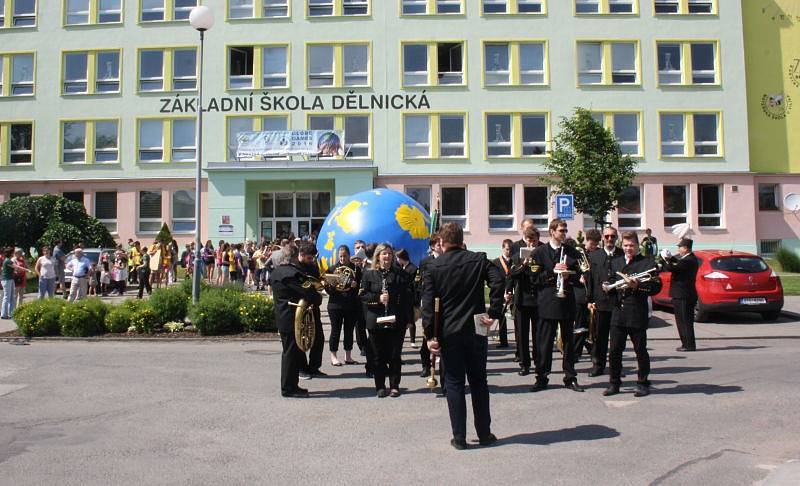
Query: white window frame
column 625, row 72
column 453, row 145
column 715, row 143
column 627, row 216
column 775, row 195
column 629, row 3
column 174, row 219
column 682, row 142
column 360, row 4
column 322, row 75
column 184, row 148
column 110, row 224
column 152, row 78
column 445, row 3
column 671, row 4
column 451, row 76
column 700, row 3
column 705, row 73
column 500, row 145
column 184, row 78
column 162, row 9
column 139, row 220
column 107, row 81
column 233, row 7
column 685, row 214
column 416, row 74
column 241, row 77
column 416, row 145
column 578, row 4
column 25, row 16
column 348, row 147
column 537, row 3
column 585, row 71
column 324, row 4
column 187, row 9
column 536, row 72
column 358, row 74
column 115, row 11
column 501, row 72
column 12, row 153
column 720, row 201
column 540, row 220
column 627, row 143
column 65, row 151
column 97, row 150
column 500, row 217
column 666, row 75
column 26, row 84
column 76, row 82
column 540, row 144
column 284, row 75
column 71, row 13
column 283, row 7
column 411, row 4
column 456, row 218
column 154, row 148
column 407, row 190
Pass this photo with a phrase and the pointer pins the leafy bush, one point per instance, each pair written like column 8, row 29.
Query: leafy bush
column 169, row 304
column 118, row 319
column 144, row 320
column 186, row 287
column 97, row 308
column 217, row 312
column 79, row 321
column 788, row 259
column 174, row 326
column 39, row 317
column 257, row 313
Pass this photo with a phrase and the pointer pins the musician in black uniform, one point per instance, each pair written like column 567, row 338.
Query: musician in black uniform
column 682, row 290
column 526, row 314
column 521, row 243
column 503, row 262
column 601, row 272
column 385, row 292
column 343, row 308
column 631, row 313
column 582, row 284
column 286, row 281
column 315, row 353
column 434, row 250
column 555, row 311
column 404, row 262
column 458, row 279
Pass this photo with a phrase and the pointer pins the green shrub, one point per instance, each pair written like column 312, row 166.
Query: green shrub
column 788, row 259
column 257, row 313
column 144, row 321
column 217, row 312
column 169, row 304
column 97, row 308
column 118, row 319
column 186, row 287
column 79, row 321
column 39, row 317
column 134, row 305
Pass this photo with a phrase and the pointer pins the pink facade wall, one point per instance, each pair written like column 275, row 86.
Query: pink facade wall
column 781, row 224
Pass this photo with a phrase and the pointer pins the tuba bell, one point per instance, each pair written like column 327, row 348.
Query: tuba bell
column 304, row 325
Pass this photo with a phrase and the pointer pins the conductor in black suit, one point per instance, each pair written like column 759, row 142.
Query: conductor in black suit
column 682, row 290
column 631, row 313
column 286, row 281
column 600, row 262
column 458, row 278
column 554, row 310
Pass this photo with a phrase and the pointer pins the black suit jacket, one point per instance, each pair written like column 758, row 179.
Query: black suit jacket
column 601, row 272
column 630, row 306
column 458, row 278
column 286, row 282
column 684, row 274
column 524, row 283
column 397, row 285
column 551, row 306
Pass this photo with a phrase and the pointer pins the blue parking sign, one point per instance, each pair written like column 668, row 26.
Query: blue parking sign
column 565, row 206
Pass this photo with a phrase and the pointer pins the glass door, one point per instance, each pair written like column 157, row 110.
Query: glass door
column 284, row 228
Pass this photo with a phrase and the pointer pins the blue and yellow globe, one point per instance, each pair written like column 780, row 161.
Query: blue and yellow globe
column 375, row 216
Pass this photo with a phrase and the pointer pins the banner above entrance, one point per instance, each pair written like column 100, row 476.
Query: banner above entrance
column 313, row 143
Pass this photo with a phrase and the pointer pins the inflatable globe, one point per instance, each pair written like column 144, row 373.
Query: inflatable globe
column 375, row 216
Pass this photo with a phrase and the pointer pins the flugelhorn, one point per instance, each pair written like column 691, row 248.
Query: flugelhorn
column 642, row 277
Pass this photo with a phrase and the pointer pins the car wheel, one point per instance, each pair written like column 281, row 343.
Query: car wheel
column 700, row 315
column 770, row 315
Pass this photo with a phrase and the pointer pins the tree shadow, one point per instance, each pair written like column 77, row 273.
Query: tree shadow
column 511, row 389
column 731, row 348
column 653, row 359
column 627, row 382
column 657, row 322
column 367, row 392
column 678, row 369
column 704, row 388
column 573, row 434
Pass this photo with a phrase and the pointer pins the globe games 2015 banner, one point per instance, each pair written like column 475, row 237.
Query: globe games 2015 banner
column 315, row 143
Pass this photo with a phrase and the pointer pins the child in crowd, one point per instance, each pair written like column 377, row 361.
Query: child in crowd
column 105, row 279
column 93, row 280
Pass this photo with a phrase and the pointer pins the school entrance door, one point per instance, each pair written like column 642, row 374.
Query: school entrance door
column 282, row 214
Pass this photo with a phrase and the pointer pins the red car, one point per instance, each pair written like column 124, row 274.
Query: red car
column 731, row 281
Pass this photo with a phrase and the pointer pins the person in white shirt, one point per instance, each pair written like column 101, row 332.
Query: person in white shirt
column 46, row 269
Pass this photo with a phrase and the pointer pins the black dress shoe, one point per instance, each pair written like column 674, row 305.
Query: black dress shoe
column 611, row 390
column 524, row 372
column 641, row 391
column 318, row 373
column 595, row 372
column 299, row 393
column 574, row 386
column 459, row 444
column 426, row 372
column 381, row 393
column 488, row 440
column 539, row 386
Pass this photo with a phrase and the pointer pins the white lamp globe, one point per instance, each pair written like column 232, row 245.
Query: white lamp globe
column 201, row 18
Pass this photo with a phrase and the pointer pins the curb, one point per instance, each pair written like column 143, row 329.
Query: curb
column 274, row 338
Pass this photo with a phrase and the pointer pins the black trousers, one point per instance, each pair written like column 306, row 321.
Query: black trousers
column 526, row 321
column 638, row 337
column 292, row 360
column 144, row 282
column 579, row 339
column 315, row 353
column 545, row 334
column 387, row 348
column 684, row 320
column 341, row 317
column 464, row 355
column 600, row 346
column 502, row 331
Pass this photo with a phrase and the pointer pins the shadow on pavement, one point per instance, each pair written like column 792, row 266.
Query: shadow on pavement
column 547, row 437
column 731, row 348
column 704, row 388
column 656, row 322
column 678, row 369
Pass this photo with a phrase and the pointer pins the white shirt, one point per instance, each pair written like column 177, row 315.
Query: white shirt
column 553, row 246
column 46, row 267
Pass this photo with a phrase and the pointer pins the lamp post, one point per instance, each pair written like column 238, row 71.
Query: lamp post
column 201, row 19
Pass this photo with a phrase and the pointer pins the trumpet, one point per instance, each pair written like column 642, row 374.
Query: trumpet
column 561, row 281
column 623, row 284
column 584, row 263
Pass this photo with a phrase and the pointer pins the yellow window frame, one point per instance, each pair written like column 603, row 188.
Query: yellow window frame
column 169, row 13
column 515, row 61
column 689, row 140
column 5, row 142
column 338, row 124
column 513, row 9
column 166, row 139
column 434, row 134
column 90, row 140
column 8, row 16
column 605, row 9
column 608, row 124
column 166, row 68
column 258, row 60
column 94, row 15
column 5, row 73
column 433, row 62
column 91, row 71
column 683, row 9
column 338, row 11
column 516, row 134
column 430, row 10
column 258, row 12
column 338, row 64
column 258, row 122
column 686, row 62
column 607, row 62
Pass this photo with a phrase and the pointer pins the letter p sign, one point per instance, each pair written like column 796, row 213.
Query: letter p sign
column 565, row 206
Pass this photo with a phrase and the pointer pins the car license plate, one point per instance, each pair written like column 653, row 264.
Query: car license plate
column 752, row 300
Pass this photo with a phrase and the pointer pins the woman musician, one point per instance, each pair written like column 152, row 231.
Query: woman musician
column 385, row 296
column 343, row 306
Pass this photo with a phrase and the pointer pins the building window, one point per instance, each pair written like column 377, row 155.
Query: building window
column 85, row 12
column 448, row 57
column 184, row 143
column 768, row 197
column 275, row 69
column 77, row 12
column 684, row 7
column 165, row 10
column 514, row 63
column 16, row 143
column 356, row 128
column 239, row 124
column 74, row 196
column 149, row 211
column 687, row 63
column 768, row 247
column 73, row 142
column 105, row 75
column 501, row 208
column 15, row 195
column 608, row 63
column 241, row 9
column 454, row 205
column 22, row 13
column 106, row 141
column 690, row 134
column 151, row 140
column 416, row 136
column 537, row 205
column 249, row 9
column 181, row 77
column 513, row 7
column 327, row 61
column 709, row 204
column 327, row 8
column 435, row 136
column 629, row 208
column 452, row 135
column 22, row 75
column 432, row 7
column 167, row 140
column 421, row 194
column 627, row 129
column 105, row 209
column 516, row 135
column 583, row 7
column 676, row 205
column 183, row 220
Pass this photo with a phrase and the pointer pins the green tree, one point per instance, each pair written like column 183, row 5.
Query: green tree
column 42, row 220
column 164, row 236
column 588, row 163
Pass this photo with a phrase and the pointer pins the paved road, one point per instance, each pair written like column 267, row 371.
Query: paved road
column 210, row 413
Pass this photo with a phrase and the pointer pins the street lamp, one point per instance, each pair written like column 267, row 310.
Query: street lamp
column 201, row 19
